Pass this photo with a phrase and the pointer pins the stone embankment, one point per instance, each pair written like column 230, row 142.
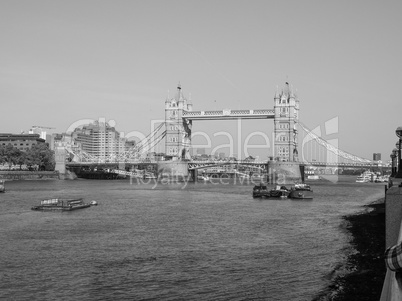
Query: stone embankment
column 29, row 175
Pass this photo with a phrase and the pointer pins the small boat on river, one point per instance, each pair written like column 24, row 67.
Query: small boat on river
column 260, row 191
column 2, row 187
column 61, row 205
column 301, row 191
column 365, row 177
column 279, row 192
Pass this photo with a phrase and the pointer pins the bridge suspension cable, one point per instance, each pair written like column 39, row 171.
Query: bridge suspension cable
column 327, row 146
column 79, row 154
column 141, row 147
column 133, row 154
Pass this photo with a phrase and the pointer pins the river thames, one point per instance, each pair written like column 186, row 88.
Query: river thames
column 195, row 241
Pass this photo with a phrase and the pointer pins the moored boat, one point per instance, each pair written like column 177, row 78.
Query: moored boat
column 379, row 179
column 313, row 177
column 310, row 175
column 365, row 177
column 260, row 191
column 279, row 192
column 61, row 205
column 2, row 187
column 301, row 191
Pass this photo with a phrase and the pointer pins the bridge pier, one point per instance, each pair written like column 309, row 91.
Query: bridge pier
column 60, row 159
column 194, row 174
column 173, row 169
column 285, row 173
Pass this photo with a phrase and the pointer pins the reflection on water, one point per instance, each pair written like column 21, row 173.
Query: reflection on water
column 199, row 242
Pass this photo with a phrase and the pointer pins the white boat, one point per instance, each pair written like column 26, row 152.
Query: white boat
column 93, row 203
column 379, row 179
column 364, row 177
column 313, row 177
column 310, row 175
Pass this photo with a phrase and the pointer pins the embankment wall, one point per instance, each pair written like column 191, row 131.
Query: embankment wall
column 393, row 214
column 29, row 175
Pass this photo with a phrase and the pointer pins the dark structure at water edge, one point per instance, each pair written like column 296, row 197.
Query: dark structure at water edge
column 365, row 266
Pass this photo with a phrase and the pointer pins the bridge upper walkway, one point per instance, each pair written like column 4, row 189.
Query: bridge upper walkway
column 229, row 114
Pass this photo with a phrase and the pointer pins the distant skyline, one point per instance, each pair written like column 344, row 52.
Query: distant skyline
column 65, row 61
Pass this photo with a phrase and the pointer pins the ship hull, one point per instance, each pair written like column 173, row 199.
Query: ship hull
column 301, row 194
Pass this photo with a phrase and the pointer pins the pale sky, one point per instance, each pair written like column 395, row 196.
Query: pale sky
column 63, row 61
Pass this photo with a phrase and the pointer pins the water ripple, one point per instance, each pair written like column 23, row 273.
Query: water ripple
column 205, row 242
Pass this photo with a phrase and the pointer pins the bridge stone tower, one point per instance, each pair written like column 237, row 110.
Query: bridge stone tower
column 286, row 110
column 178, row 130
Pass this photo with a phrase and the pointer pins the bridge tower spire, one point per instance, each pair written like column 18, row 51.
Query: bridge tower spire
column 286, row 108
column 178, row 129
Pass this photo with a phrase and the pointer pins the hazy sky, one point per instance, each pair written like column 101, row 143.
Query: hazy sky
column 62, row 61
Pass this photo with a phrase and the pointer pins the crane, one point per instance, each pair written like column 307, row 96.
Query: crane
column 41, row 127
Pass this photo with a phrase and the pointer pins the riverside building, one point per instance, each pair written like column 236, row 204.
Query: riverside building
column 99, row 139
column 21, row 141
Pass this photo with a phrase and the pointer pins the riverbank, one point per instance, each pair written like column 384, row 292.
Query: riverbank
column 365, row 267
column 11, row 175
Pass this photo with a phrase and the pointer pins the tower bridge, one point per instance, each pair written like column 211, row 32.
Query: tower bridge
column 179, row 116
column 176, row 132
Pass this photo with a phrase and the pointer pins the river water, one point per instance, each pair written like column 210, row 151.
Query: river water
column 173, row 241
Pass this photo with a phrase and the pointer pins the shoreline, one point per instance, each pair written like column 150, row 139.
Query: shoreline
column 16, row 175
column 364, row 269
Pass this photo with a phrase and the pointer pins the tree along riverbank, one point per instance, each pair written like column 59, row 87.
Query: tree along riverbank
column 37, row 157
column 365, row 267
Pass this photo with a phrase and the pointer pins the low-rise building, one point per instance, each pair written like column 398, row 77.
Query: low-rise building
column 21, row 141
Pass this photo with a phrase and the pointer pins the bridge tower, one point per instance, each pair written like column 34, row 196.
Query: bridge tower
column 178, row 129
column 286, row 108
